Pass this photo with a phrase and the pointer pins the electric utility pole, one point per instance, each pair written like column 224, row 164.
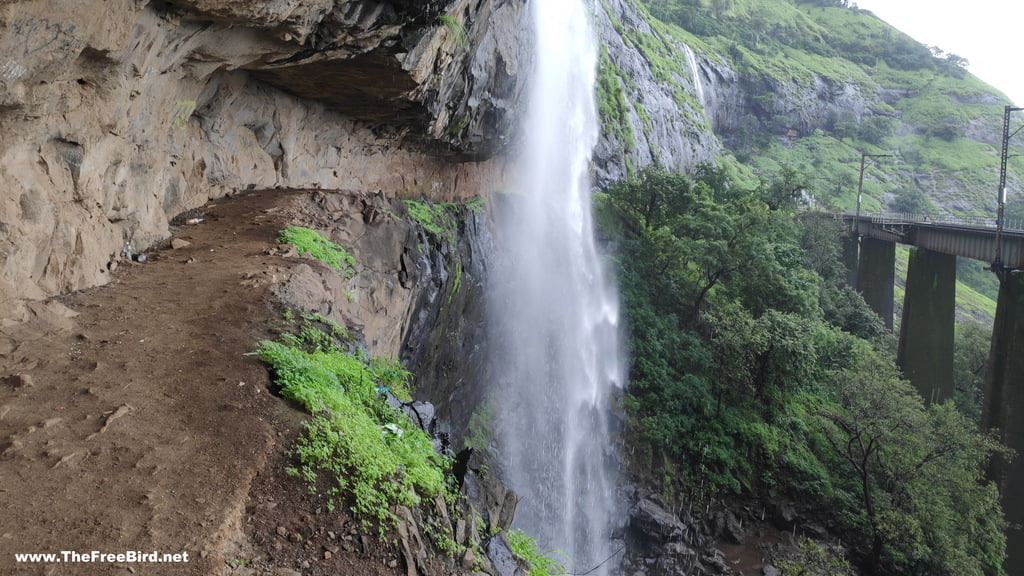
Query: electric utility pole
column 997, row 263
column 860, row 185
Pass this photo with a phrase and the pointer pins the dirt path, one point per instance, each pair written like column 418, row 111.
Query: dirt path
column 142, row 428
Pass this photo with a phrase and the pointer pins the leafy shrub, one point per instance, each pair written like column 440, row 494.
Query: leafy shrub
column 814, row 559
column 525, row 548
column 372, row 453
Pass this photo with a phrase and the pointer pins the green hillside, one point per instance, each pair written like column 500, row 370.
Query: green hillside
column 941, row 125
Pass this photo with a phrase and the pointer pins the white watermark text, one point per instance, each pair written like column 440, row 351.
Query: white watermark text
column 72, row 557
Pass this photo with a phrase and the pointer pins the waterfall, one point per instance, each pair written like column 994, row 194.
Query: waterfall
column 556, row 341
column 698, row 83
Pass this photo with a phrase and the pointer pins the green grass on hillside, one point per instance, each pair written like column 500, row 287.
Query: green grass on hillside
column 942, row 124
column 969, row 302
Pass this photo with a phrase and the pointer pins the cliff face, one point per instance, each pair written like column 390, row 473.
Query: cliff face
column 667, row 98
column 651, row 95
column 119, row 115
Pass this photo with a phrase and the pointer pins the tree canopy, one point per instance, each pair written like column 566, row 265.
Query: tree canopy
column 754, row 366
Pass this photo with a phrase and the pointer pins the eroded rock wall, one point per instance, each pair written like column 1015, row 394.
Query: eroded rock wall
column 663, row 112
column 117, row 115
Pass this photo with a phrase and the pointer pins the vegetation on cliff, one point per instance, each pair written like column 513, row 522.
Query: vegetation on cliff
column 539, row 563
column 755, row 368
column 810, row 85
column 441, row 219
column 310, row 242
column 368, row 452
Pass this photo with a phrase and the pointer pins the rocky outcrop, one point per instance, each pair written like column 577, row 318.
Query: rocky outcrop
column 445, row 340
column 417, row 292
column 795, row 107
column 677, row 106
column 659, row 542
column 661, row 116
column 119, row 115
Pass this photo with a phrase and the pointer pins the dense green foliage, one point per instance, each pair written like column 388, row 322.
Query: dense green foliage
column 970, row 360
column 311, row 242
column 753, row 366
column 924, row 503
column 367, row 452
column 919, row 103
column 612, row 102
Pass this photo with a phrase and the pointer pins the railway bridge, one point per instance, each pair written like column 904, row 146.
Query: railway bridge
column 927, row 323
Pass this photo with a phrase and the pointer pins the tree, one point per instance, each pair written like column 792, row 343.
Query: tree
column 844, row 125
column 925, row 504
column 875, row 129
column 784, row 190
column 841, row 305
column 970, row 360
column 912, row 201
column 762, row 356
column 687, row 243
column 651, row 198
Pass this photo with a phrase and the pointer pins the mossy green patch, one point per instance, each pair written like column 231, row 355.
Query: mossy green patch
column 442, row 219
column 611, row 102
column 311, row 242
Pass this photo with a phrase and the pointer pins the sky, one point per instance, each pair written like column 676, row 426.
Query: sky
column 985, row 32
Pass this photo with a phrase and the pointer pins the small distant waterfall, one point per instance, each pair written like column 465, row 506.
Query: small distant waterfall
column 557, row 349
column 698, row 82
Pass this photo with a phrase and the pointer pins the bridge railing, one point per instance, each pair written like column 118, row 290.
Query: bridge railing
column 918, row 218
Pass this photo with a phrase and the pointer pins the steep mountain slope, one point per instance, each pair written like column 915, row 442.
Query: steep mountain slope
column 769, row 87
column 811, row 85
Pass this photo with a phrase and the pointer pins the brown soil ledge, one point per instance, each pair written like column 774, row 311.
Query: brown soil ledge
column 144, row 426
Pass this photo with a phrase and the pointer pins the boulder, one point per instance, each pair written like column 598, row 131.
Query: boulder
column 649, row 522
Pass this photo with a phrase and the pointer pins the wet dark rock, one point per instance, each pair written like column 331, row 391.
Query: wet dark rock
column 461, row 465
column 650, row 522
column 445, row 341
column 421, row 414
column 501, row 557
column 815, row 530
column 783, row 510
column 729, row 527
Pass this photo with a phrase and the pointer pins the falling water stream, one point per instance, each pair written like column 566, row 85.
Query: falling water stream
column 558, row 351
column 698, row 83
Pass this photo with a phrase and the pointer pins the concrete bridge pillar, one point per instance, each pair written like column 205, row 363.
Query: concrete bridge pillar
column 851, row 258
column 929, row 318
column 876, row 276
column 1004, row 408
